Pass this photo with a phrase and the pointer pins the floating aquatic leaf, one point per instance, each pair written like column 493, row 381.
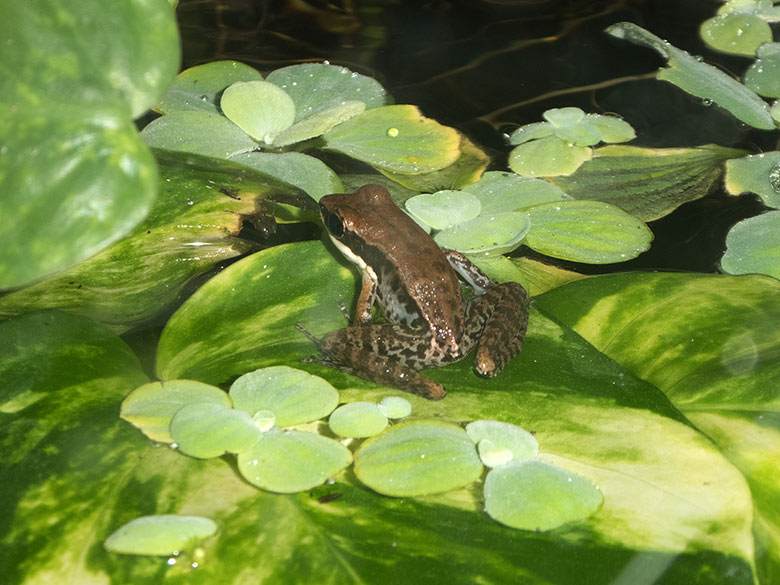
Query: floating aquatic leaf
column 151, row 407
column 499, row 191
column 756, row 173
column 533, row 495
column 752, row 246
column 444, row 209
column 763, row 76
column 496, row 233
column 418, row 458
column 357, row 419
column 259, row 108
column 294, row 396
column 395, row 407
column 735, row 33
column 162, row 535
column 292, row 461
column 504, row 436
column 206, row 430
column 319, row 123
column 548, row 157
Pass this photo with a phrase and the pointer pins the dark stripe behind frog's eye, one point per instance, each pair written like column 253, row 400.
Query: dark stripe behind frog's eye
column 334, row 224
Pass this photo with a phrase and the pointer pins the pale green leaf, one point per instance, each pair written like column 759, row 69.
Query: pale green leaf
column 395, row 407
column 548, row 157
column 753, row 246
column 294, row 396
column 418, row 458
column 519, row 442
column 531, row 132
column 735, row 33
column 496, row 233
column 292, row 461
column 205, row 430
column 319, row 123
column 358, row 419
column 259, row 108
column 755, row 173
column 533, row 495
column 500, row 191
column 763, row 76
column 162, row 535
column 612, row 128
column 444, row 209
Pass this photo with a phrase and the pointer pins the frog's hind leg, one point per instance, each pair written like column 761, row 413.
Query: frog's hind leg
column 499, row 319
column 385, row 354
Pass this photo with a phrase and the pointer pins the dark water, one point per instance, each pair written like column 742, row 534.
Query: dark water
column 487, row 66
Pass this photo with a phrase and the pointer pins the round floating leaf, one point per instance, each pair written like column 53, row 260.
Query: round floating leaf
column 417, row 459
column 531, row 132
column 294, row 396
column 199, row 132
column 206, row 430
column 304, row 171
column 736, row 33
column 395, row 407
column 396, row 138
column 198, row 88
column 358, row 419
column 584, row 133
column 497, row 233
column 319, row 123
column 500, row 191
column 763, row 76
column 612, row 128
column 264, row 420
column 292, row 461
column 315, row 87
column 162, row 535
column 753, row 246
column 151, row 407
column 586, row 231
column 756, row 173
column 259, row 108
column 564, row 117
column 444, row 209
column 503, row 436
column 548, row 157
column 492, row 455
column 532, row 495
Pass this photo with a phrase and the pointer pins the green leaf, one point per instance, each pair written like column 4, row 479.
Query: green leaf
column 533, row 131
column 151, row 407
column 519, row 442
column 199, row 132
column 418, row 458
column 198, row 88
column 292, row 461
column 699, row 79
column 305, row 172
column 586, row 231
column 548, row 157
column 533, row 495
column 715, row 357
column 162, row 535
column 395, row 407
column 396, row 138
column 259, row 108
column 612, row 128
column 74, row 180
column 207, row 430
column 735, row 33
column 648, row 183
column 192, row 227
column 295, row 397
column 757, row 173
column 444, row 209
column 315, row 87
column 499, row 191
column 88, row 55
column 763, row 76
column 495, row 234
column 319, row 123
column 358, row 419
column 752, row 246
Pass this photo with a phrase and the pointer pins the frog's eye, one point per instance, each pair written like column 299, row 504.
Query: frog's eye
column 334, row 224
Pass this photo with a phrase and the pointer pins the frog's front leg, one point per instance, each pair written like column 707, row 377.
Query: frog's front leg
column 386, row 354
column 497, row 318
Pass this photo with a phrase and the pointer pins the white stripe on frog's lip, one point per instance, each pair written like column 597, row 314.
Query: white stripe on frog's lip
column 355, row 259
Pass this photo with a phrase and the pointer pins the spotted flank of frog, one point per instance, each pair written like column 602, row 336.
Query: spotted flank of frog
column 417, row 287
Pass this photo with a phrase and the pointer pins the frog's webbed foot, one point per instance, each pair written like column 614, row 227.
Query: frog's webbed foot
column 501, row 317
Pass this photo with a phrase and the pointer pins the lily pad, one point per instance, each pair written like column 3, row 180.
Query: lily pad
column 358, row 419
column 294, row 396
column 163, row 535
column 533, row 495
column 292, row 461
column 151, row 407
column 418, row 458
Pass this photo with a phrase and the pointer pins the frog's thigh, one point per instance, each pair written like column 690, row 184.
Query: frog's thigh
column 408, row 346
column 498, row 319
